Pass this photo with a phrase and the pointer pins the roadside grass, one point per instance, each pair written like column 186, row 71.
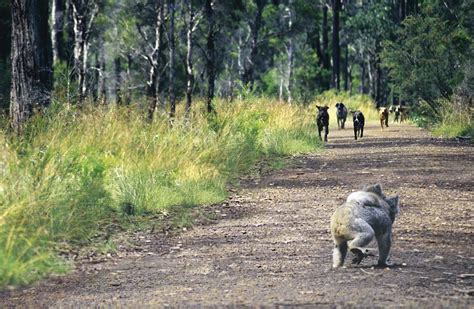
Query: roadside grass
column 75, row 174
column 455, row 123
column 454, row 119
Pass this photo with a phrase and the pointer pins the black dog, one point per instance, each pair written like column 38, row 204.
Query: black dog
column 359, row 122
column 341, row 114
column 322, row 120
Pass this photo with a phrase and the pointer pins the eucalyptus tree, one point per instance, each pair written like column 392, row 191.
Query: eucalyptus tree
column 254, row 24
column 84, row 13
column 210, row 52
column 5, row 48
column 150, row 26
column 32, row 74
column 58, row 19
column 336, row 48
column 192, row 18
column 367, row 27
column 172, row 56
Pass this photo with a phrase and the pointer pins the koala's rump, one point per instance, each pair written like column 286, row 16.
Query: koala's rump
column 340, row 222
column 348, row 220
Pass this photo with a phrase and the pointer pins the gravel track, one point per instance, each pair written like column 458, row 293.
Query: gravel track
column 269, row 245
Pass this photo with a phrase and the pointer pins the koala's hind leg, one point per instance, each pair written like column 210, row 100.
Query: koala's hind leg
column 384, row 243
column 363, row 235
column 339, row 254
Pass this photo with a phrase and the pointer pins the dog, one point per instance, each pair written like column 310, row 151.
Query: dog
column 359, row 122
column 322, row 121
column 400, row 113
column 341, row 114
column 383, row 115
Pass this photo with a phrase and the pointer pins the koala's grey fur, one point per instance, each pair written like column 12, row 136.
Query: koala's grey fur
column 365, row 214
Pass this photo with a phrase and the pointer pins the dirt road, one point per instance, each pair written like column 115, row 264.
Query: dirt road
column 270, row 245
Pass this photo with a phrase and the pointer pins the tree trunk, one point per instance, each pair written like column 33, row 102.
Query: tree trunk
column 154, row 79
column 84, row 12
column 189, row 57
column 378, row 92
column 350, row 80
column 402, row 10
column 379, row 76
column 363, row 88
column 58, row 14
column 69, row 41
column 171, row 10
column 336, row 48
column 95, row 88
column 240, row 61
column 31, row 54
column 370, row 71
column 249, row 75
column 345, row 70
column 280, row 90
column 211, row 54
column 325, row 51
column 411, row 7
column 101, row 88
column 289, row 50
column 118, row 80
column 129, row 79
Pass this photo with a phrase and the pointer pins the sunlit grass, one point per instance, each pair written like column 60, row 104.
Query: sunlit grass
column 76, row 172
column 454, row 122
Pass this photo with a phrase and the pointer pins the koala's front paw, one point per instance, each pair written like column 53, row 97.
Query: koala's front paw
column 357, row 259
column 360, row 254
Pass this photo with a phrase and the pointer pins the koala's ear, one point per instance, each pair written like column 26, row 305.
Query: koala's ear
column 377, row 189
column 394, row 203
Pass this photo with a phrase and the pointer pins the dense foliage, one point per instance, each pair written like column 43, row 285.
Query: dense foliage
column 430, row 61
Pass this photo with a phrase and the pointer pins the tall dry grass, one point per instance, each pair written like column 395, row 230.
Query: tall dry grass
column 75, row 173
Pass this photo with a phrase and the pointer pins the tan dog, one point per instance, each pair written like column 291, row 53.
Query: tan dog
column 383, row 114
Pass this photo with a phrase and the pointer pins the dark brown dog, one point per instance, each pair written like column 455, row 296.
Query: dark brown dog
column 322, row 121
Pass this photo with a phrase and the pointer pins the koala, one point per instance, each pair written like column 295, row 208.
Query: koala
column 365, row 214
